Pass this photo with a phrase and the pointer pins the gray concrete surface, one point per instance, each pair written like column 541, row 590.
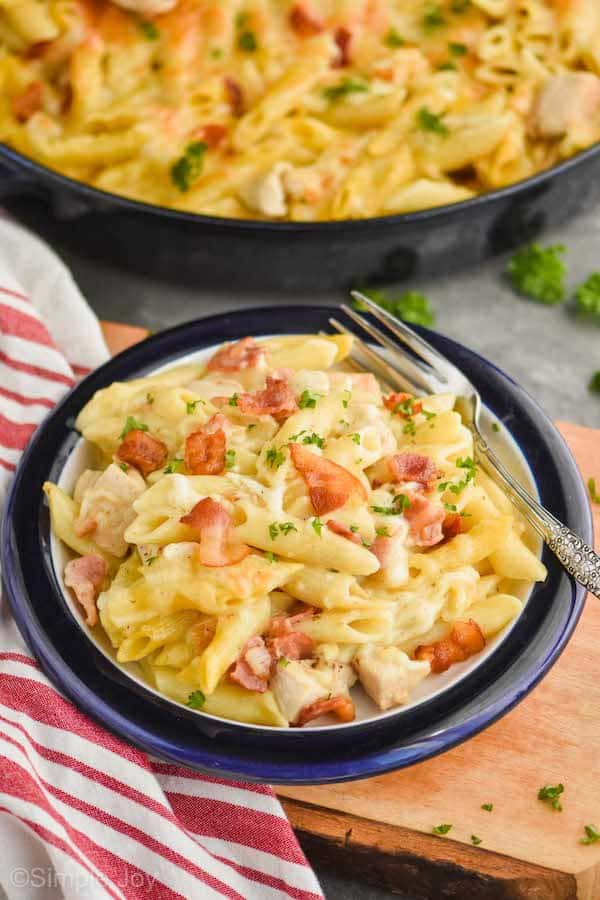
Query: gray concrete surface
column 546, row 349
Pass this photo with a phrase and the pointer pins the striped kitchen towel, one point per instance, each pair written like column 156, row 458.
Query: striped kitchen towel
column 83, row 814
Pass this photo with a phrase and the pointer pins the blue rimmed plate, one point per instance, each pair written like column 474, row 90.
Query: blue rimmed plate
column 298, row 756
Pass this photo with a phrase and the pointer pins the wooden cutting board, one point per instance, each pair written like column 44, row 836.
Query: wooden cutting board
column 379, row 829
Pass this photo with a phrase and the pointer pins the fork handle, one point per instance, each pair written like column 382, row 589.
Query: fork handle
column 579, row 559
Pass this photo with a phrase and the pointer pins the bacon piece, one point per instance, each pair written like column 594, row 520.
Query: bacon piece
column 277, row 399
column 343, row 39
column 341, row 707
column 425, row 520
column 344, row 532
column 244, row 354
column 294, row 645
column 235, row 98
column 141, row 450
column 329, row 485
column 382, row 548
column 452, row 525
column 282, row 625
column 412, row 467
column 393, row 400
column 213, row 134
column 28, row 102
column 253, row 666
column 465, row 639
column 212, row 523
column 205, row 452
column 305, row 21
column 85, row 576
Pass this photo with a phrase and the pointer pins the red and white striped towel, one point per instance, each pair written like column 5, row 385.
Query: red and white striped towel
column 83, row 814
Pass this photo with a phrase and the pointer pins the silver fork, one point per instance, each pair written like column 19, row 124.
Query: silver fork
column 424, row 370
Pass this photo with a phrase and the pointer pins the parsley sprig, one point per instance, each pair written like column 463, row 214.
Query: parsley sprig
column 131, row 424
column 441, row 829
column 594, row 495
column 592, row 835
column 308, row 400
column 539, row 273
column 344, row 88
column 412, row 306
column 399, row 504
column 274, row 457
column 189, row 166
column 587, row 296
column 276, row 528
column 430, row 121
column 550, row 794
column 196, row 700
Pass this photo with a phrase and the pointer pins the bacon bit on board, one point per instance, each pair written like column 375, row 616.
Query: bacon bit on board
column 212, row 523
column 141, row 450
column 341, row 707
column 465, row 639
column 85, row 576
column 329, row 485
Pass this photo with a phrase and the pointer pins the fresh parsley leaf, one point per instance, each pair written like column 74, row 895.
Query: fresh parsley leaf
column 399, row 504
column 251, row 426
column 495, row 426
column 411, row 306
column 382, row 531
column 230, row 459
column 241, row 19
column 441, row 829
column 189, row 166
column 149, row 399
column 283, row 661
column 216, row 52
column 247, row 41
column 457, row 49
column 173, row 465
column 274, row 457
column 428, row 414
column 594, row 383
column 347, row 397
column 317, row 525
column 308, row 400
column 393, row 39
column 587, row 296
column 314, row 439
column 124, row 466
column 283, row 527
column 355, row 437
column 550, row 794
column 447, row 67
column 354, row 529
column 594, row 496
column 196, row 700
column 270, row 556
column 432, row 17
column 190, row 406
column 467, row 463
column 592, row 835
column 539, row 273
column 430, row 121
column 273, row 530
column 405, row 408
column 131, row 424
column 487, row 806
column 233, row 400
column 410, row 428
column 475, row 840
column 149, row 30
column 451, row 507
column 344, row 88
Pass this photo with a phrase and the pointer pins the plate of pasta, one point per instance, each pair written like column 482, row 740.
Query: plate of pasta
column 253, row 538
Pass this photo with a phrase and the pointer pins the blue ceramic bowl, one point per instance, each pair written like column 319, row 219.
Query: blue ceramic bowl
column 292, row 756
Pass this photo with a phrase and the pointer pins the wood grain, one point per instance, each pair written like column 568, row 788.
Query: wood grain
column 380, row 829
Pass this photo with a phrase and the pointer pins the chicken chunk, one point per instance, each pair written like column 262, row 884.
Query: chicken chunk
column 569, row 100
column 107, row 506
column 388, row 675
column 266, row 194
column 295, row 687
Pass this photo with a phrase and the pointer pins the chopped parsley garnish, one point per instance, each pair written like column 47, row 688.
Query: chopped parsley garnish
column 308, row 400
column 592, row 835
column 149, row 399
column 270, row 556
column 190, row 406
column 594, row 383
column 410, row 428
column 280, row 527
column 274, row 457
column 587, row 296
column 430, row 121
column 467, row 463
column 451, row 507
column 344, row 88
column 594, row 496
column 131, row 424
column 313, row 439
column 346, row 398
column 283, row 661
column 487, row 806
column 150, row 560
column 457, row 49
column 432, row 17
column 411, row 306
column 173, row 465
column 189, row 166
column 196, row 700
column 149, row 30
column 550, row 794
column 317, row 525
column 354, row 529
column 355, row 437
column 393, row 39
column 539, row 273
column 382, row 531
column 216, row 52
column 428, row 414
column 124, row 467
column 251, row 426
column 230, row 459
column 247, row 41
column 447, row 67
column 399, row 504
column 457, row 487
column 475, row 840
column 495, row 426
column 460, row 6
column 405, row 408
column 441, row 829
column 233, row 400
